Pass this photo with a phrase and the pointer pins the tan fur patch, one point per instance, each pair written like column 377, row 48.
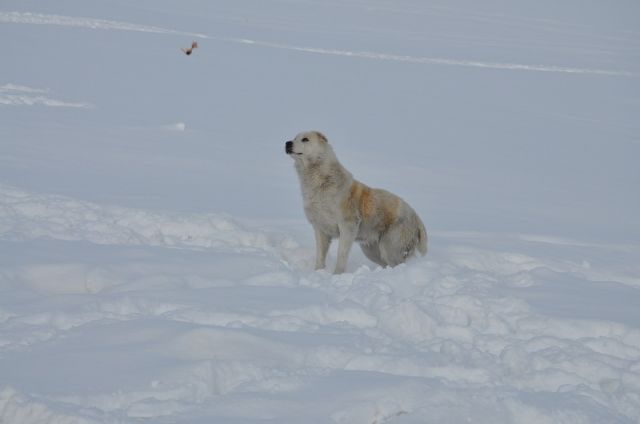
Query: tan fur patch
column 391, row 212
column 366, row 203
column 354, row 194
column 361, row 197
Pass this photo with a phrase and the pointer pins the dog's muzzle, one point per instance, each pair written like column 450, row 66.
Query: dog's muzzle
column 288, row 147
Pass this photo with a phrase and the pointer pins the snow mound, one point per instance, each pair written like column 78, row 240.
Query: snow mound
column 28, row 216
column 20, row 95
column 16, row 408
column 178, row 126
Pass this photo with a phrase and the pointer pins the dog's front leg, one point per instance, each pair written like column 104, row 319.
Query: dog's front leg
column 347, row 237
column 322, row 246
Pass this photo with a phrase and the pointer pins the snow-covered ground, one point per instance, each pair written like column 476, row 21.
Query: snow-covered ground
column 156, row 266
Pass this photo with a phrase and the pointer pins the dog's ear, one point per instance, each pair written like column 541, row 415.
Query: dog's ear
column 322, row 137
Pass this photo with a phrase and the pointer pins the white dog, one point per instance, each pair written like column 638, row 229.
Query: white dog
column 338, row 206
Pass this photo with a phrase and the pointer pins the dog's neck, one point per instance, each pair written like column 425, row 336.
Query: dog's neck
column 323, row 172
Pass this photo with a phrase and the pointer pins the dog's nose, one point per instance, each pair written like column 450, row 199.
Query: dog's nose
column 288, row 147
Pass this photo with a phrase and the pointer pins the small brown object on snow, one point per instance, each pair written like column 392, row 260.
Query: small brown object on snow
column 189, row 50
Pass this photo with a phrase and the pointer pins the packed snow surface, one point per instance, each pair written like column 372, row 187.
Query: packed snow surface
column 156, row 265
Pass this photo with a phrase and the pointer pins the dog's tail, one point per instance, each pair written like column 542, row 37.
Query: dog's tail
column 422, row 237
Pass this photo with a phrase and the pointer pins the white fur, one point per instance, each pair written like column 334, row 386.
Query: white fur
column 338, row 206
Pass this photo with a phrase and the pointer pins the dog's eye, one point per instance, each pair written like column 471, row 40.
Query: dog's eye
column 304, row 140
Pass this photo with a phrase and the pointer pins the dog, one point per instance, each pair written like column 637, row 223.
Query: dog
column 338, row 206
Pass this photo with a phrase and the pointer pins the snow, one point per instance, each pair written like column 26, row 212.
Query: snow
column 156, row 266
column 16, row 95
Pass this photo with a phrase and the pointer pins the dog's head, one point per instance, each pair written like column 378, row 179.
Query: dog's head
column 309, row 145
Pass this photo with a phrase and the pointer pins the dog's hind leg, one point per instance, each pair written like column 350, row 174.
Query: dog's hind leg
column 398, row 243
column 372, row 251
column 322, row 246
column 391, row 255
